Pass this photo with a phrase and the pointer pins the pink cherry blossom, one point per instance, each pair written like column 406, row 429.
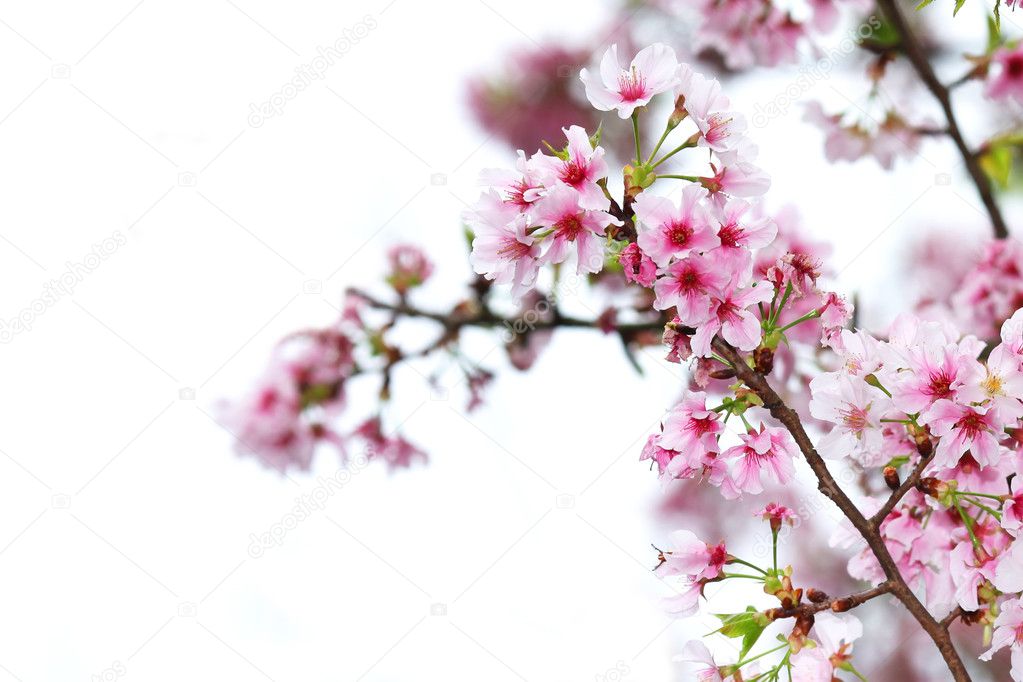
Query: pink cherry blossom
column 521, row 186
column 581, row 170
column 571, row 224
column 729, row 316
column 962, row 428
column 669, row 230
column 502, row 248
column 1012, row 514
column 776, row 514
column 1007, row 78
column 686, row 602
column 653, row 70
column 856, row 410
column 691, row 427
column 690, row 556
column 737, row 178
column 934, row 374
column 739, row 233
column 834, row 635
column 689, row 284
column 769, row 451
column 1000, row 385
column 720, row 130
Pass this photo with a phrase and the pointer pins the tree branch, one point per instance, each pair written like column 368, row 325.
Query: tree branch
column 914, row 51
column 827, row 485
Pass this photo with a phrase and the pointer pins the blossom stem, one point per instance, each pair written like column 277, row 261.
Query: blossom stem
column 968, row 522
column 742, row 575
column 690, row 178
column 761, row 655
column 809, row 316
column 667, row 129
column 685, row 145
column 774, row 548
column 989, row 510
column 635, row 133
column 737, row 560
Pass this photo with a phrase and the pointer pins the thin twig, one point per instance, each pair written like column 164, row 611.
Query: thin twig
column 914, row 51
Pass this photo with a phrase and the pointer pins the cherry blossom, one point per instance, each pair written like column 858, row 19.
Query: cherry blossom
column 653, row 70
column 670, row 230
column 768, row 451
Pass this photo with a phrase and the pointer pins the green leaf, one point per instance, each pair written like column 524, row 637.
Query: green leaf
column 959, row 6
column 997, row 163
column 994, row 28
column 748, row 626
column 924, row 3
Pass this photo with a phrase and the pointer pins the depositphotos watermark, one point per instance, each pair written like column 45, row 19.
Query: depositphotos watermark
column 62, row 287
column 812, row 74
column 306, row 505
column 307, row 74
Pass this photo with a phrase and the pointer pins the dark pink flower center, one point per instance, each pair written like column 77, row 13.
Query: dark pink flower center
column 631, row 85
column 1014, row 66
column 971, row 424
column 679, row 233
column 573, row 173
column 729, row 235
column 854, row 417
column 940, row 385
column 569, row 227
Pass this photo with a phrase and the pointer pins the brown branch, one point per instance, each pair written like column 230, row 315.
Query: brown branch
column 830, row 488
column 840, row 605
column 917, row 56
column 487, row 319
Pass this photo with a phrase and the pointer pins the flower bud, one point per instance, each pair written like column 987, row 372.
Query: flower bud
column 891, row 477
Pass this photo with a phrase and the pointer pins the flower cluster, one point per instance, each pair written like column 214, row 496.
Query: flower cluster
column 891, row 138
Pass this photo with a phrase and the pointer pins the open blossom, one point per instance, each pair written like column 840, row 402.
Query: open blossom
column 581, row 169
column 770, row 450
column 963, row 428
column 1007, row 78
column 1001, row 383
column 572, row 225
column 690, row 556
column 730, row 317
column 653, row 70
column 737, row 177
column 691, row 427
column 688, row 284
column 934, row 374
column 1012, row 335
column 668, row 230
column 739, row 233
column 720, row 130
column 856, row 410
column 502, row 248
column 521, row 186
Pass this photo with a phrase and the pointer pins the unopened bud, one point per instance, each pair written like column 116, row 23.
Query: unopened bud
column 816, row 596
column 763, row 359
column 679, row 114
column 891, row 477
column 726, row 373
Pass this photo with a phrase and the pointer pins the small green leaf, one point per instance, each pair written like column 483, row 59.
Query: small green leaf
column 959, row 6
column 997, row 163
column 924, row 3
column 748, row 626
column 994, row 28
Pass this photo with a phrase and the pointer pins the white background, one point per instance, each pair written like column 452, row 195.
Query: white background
column 127, row 519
